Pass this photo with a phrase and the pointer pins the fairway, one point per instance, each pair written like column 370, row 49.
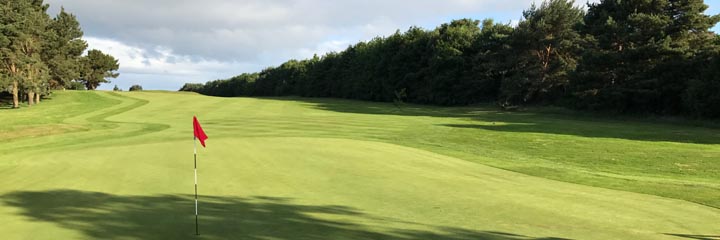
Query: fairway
column 105, row 165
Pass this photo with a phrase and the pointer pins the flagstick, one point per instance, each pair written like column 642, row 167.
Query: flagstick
column 196, row 196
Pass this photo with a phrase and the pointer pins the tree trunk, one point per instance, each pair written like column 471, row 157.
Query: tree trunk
column 16, row 100
column 30, row 93
column 30, row 96
column 37, row 98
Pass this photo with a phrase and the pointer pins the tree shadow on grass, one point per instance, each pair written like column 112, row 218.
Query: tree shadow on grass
column 5, row 100
column 105, row 216
column 381, row 108
column 695, row 236
column 559, row 122
column 627, row 131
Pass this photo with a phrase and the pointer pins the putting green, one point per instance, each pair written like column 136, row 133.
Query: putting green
column 281, row 169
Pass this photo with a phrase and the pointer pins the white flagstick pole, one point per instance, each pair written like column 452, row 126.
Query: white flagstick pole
column 196, row 196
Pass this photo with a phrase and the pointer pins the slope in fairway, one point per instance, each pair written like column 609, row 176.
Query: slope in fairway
column 277, row 169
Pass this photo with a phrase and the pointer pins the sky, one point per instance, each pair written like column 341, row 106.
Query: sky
column 162, row 44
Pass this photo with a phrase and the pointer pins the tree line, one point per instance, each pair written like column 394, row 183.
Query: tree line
column 641, row 56
column 40, row 53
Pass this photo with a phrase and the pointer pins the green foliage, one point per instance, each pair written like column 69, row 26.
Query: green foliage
column 490, row 65
column 544, row 46
column 37, row 53
column 96, row 67
column 242, row 85
column 117, row 89
column 624, row 56
column 452, row 54
column 192, row 87
column 23, row 30
column 63, row 50
column 135, row 88
column 703, row 93
column 428, row 66
column 76, row 85
column 640, row 54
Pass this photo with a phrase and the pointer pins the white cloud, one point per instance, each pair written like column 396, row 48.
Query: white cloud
column 162, row 60
column 162, row 64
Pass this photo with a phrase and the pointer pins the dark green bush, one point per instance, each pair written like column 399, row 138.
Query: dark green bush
column 135, row 88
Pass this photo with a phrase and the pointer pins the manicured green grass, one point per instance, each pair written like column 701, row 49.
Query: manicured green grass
column 101, row 165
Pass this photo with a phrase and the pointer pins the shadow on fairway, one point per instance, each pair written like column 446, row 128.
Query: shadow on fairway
column 695, row 236
column 561, row 122
column 104, row 216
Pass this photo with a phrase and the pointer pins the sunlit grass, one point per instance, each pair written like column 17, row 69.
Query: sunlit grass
column 119, row 165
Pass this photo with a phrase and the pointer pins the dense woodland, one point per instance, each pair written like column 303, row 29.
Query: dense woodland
column 39, row 53
column 636, row 56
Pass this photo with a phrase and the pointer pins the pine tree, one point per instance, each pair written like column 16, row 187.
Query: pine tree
column 63, row 50
column 545, row 45
column 96, row 67
column 492, row 62
column 23, row 35
column 12, row 15
column 640, row 54
column 452, row 53
column 32, row 41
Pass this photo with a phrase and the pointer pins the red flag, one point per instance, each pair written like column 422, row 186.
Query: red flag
column 198, row 131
